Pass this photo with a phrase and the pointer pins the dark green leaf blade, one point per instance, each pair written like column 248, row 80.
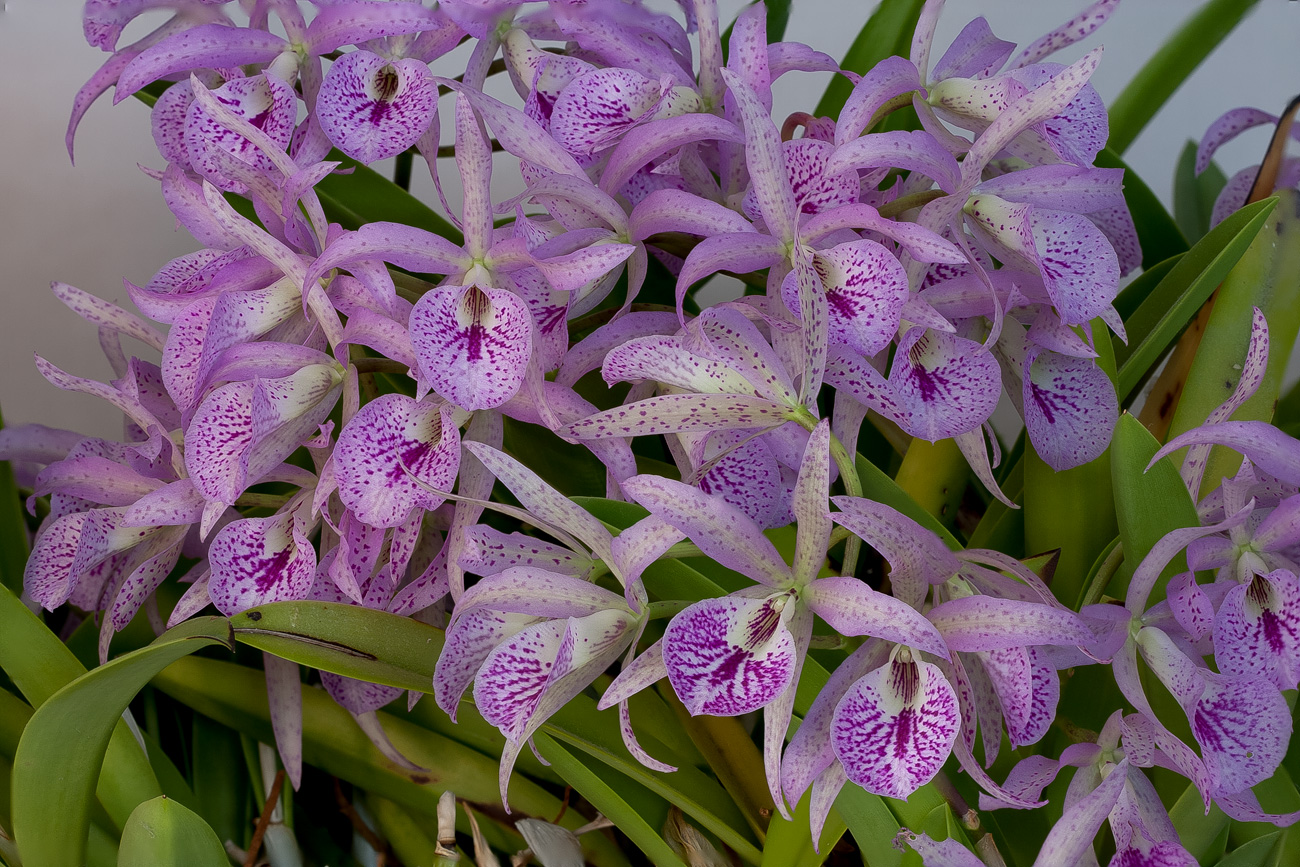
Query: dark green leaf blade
column 1194, row 194
column 164, row 832
column 67, row 737
column 345, row 639
column 1178, row 297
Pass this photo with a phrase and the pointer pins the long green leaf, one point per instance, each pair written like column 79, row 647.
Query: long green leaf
column 881, row 488
column 871, row 824
column 66, row 739
column 1180, row 295
column 887, row 32
column 603, row 797
column 789, row 842
column 1158, row 232
column 235, row 696
column 40, row 665
column 1194, row 194
column 1165, row 72
column 1139, row 290
column 1148, row 504
column 345, row 639
column 1268, row 277
column 164, row 832
column 1263, row 851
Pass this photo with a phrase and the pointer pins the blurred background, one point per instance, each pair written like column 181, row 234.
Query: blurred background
column 102, row 220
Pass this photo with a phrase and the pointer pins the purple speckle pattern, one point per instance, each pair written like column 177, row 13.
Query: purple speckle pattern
column 391, row 440
column 473, row 344
column 260, row 560
column 1243, row 726
column 729, row 656
column 265, row 102
column 1070, row 408
column 945, row 385
column 470, row 638
column 598, row 107
column 1257, row 629
column 357, row 696
column 372, row 108
column 866, row 288
column 894, row 728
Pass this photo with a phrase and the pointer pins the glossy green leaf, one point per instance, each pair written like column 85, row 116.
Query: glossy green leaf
column 1131, row 297
column 1158, row 232
column 1165, row 72
column 365, row 196
column 603, row 797
column 67, row 737
column 700, row 797
column 935, row 476
column 221, row 785
column 1178, row 297
column 881, row 488
column 40, row 665
column 1263, row 851
column 163, row 833
column 345, row 639
column 873, row 827
column 13, row 530
column 1069, row 511
column 1148, row 504
column 1267, row 276
column 1194, row 194
column 789, row 842
column 887, row 32
column 235, row 696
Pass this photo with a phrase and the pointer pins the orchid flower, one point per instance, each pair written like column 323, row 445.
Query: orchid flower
column 743, row 652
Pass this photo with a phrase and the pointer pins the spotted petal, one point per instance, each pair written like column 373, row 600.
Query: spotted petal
column 1257, row 629
column 373, row 108
column 947, row 385
column 385, row 448
column 473, row 343
column 470, row 639
column 264, row 101
column 894, row 728
column 729, row 656
column 866, row 288
column 598, row 107
column 260, row 560
column 1070, row 408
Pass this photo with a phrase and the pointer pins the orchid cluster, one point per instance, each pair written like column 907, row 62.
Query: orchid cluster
column 337, row 411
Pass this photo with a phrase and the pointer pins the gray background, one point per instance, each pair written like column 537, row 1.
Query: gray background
column 101, row 221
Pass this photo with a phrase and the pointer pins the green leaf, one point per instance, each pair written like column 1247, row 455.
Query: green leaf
column 67, row 737
column 235, row 696
column 1165, row 72
column 1263, row 851
column 221, row 784
column 13, row 530
column 1267, row 276
column 345, row 639
column 40, row 665
column 887, row 32
column 1178, row 297
column 365, row 196
column 873, row 827
column 1148, row 504
column 881, row 488
column 164, row 832
column 789, row 842
column 603, row 797
column 1130, row 298
column 1194, row 194
column 1158, row 232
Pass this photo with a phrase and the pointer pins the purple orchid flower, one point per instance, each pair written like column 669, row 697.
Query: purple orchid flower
column 742, row 652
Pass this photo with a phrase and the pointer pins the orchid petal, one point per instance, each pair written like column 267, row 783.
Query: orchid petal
column 1073, row 834
column 1070, row 408
column 645, row 143
column 914, row 151
column 946, row 385
column 889, row 78
column 1267, row 447
column 1257, row 629
column 764, row 155
column 372, row 108
column 260, row 560
column 917, row 557
column 894, row 728
column 264, row 101
column 473, row 343
column 729, row 656
column 207, row 45
column 386, row 449
column 1191, row 606
column 1078, row 27
column 975, row 623
column 853, row 608
column 680, row 413
column 975, row 53
column 722, row 531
